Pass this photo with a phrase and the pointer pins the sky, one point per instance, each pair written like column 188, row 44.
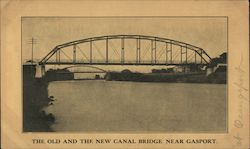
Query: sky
column 209, row 33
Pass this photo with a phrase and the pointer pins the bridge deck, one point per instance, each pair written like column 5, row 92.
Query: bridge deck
column 93, row 63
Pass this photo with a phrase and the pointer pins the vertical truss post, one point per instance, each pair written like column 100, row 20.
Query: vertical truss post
column 138, row 52
column 139, row 49
column 59, row 56
column 74, row 53
column 122, row 50
column 186, row 55
column 181, row 54
column 90, row 52
column 201, row 56
column 56, row 56
column 166, row 53
column 171, row 50
column 195, row 57
column 155, row 51
column 107, row 48
column 152, row 51
column 32, row 43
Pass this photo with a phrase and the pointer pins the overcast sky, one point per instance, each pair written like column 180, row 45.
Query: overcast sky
column 209, row 33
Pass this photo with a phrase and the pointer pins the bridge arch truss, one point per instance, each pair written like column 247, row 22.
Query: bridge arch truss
column 159, row 51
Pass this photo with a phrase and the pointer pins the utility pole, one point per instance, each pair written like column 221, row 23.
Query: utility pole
column 32, row 49
column 32, row 42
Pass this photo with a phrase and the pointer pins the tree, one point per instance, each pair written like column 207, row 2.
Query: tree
column 221, row 59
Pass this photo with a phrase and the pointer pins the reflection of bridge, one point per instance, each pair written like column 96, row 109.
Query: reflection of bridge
column 126, row 50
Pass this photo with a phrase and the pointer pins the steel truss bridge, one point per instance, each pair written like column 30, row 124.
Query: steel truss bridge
column 126, row 50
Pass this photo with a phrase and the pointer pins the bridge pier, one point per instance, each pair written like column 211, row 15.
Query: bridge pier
column 40, row 71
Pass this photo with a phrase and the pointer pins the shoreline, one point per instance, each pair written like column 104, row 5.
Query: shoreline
column 135, row 81
column 35, row 99
column 200, row 77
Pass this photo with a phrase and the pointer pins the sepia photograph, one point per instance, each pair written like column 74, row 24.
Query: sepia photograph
column 124, row 74
column 139, row 74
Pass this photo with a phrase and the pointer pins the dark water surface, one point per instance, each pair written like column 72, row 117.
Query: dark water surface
column 98, row 105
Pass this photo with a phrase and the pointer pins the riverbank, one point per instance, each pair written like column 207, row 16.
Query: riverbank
column 35, row 98
column 190, row 77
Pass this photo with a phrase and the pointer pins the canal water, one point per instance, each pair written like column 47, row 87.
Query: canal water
column 113, row 106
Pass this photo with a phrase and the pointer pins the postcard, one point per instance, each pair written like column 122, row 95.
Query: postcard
column 124, row 74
